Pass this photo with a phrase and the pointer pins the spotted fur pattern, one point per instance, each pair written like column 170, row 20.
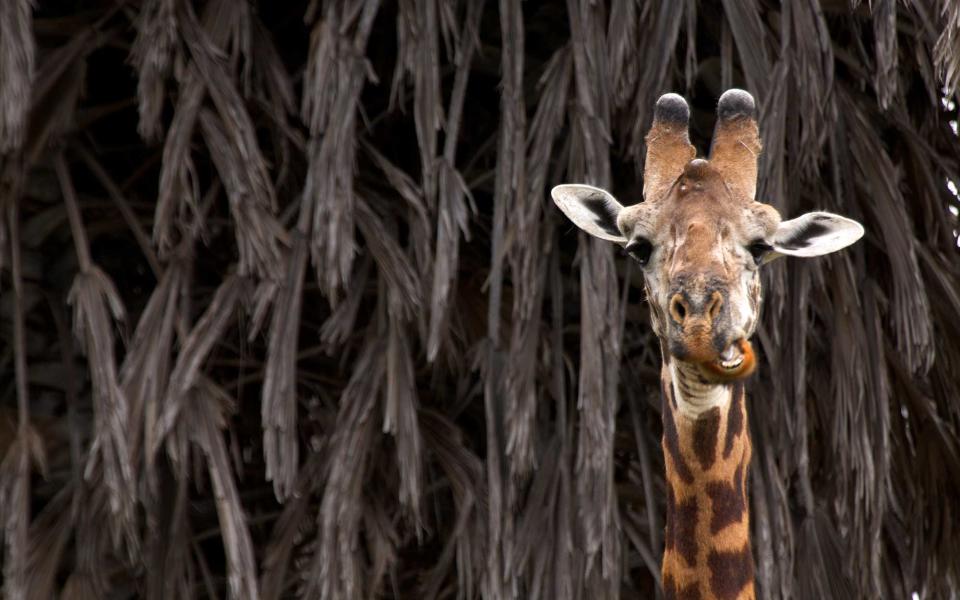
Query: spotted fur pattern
column 707, row 551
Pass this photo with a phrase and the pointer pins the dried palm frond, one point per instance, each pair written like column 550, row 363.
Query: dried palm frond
column 289, row 531
column 336, row 569
column 51, row 530
column 453, row 193
column 195, row 348
column 259, row 235
column 17, row 51
column 336, row 71
column 463, row 400
column 153, row 56
column 146, row 369
column 179, row 188
column 96, row 305
column 400, row 417
column 601, row 317
column 204, row 417
column 464, row 472
column 279, row 405
column 26, row 446
column 26, row 450
column 947, row 50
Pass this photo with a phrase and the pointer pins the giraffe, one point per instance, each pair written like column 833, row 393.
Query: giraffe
column 701, row 239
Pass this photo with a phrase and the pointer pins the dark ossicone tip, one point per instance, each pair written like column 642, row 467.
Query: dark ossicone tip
column 736, row 103
column 672, row 108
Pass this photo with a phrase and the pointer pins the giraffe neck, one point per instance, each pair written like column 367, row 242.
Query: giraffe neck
column 706, row 447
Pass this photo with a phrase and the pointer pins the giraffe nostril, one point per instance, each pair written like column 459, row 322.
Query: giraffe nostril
column 678, row 308
column 716, row 303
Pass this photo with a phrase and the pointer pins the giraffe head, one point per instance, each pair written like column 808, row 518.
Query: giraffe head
column 701, row 238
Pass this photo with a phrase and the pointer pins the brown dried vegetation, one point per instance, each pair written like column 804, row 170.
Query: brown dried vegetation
column 286, row 311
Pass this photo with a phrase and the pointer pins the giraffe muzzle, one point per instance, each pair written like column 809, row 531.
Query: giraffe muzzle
column 737, row 361
column 702, row 334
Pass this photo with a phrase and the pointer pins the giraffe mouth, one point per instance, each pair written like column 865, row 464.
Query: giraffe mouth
column 737, row 361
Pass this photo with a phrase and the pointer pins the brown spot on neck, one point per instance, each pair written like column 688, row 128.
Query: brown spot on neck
column 671, row 437
column 728, row 501
column 671, row 591
column 705, row 431
column 734, row 418
column 730, row 572
column 685, row 530
column 691, row 592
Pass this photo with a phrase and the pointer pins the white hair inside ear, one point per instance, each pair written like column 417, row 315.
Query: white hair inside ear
column 816, row 234
column 591, row 209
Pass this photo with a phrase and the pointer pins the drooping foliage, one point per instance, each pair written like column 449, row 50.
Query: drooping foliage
column 287, row 312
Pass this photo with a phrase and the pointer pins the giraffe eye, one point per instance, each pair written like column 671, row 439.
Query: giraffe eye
column 640, row 249
column 758, row 250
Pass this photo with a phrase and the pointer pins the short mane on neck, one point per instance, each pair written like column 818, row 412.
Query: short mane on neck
column 706, row 447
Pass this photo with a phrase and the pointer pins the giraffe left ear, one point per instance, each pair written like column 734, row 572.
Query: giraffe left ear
column 816, row 234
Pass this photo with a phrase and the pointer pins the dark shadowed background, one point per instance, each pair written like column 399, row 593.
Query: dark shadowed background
column 286, row 310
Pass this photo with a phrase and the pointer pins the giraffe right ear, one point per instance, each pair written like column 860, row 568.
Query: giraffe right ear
column 591, row 209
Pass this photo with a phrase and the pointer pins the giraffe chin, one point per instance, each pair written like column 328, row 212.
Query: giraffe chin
column 737, row 362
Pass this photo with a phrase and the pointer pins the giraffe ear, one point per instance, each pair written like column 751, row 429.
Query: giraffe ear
column 816, row 234
column 591, row 209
